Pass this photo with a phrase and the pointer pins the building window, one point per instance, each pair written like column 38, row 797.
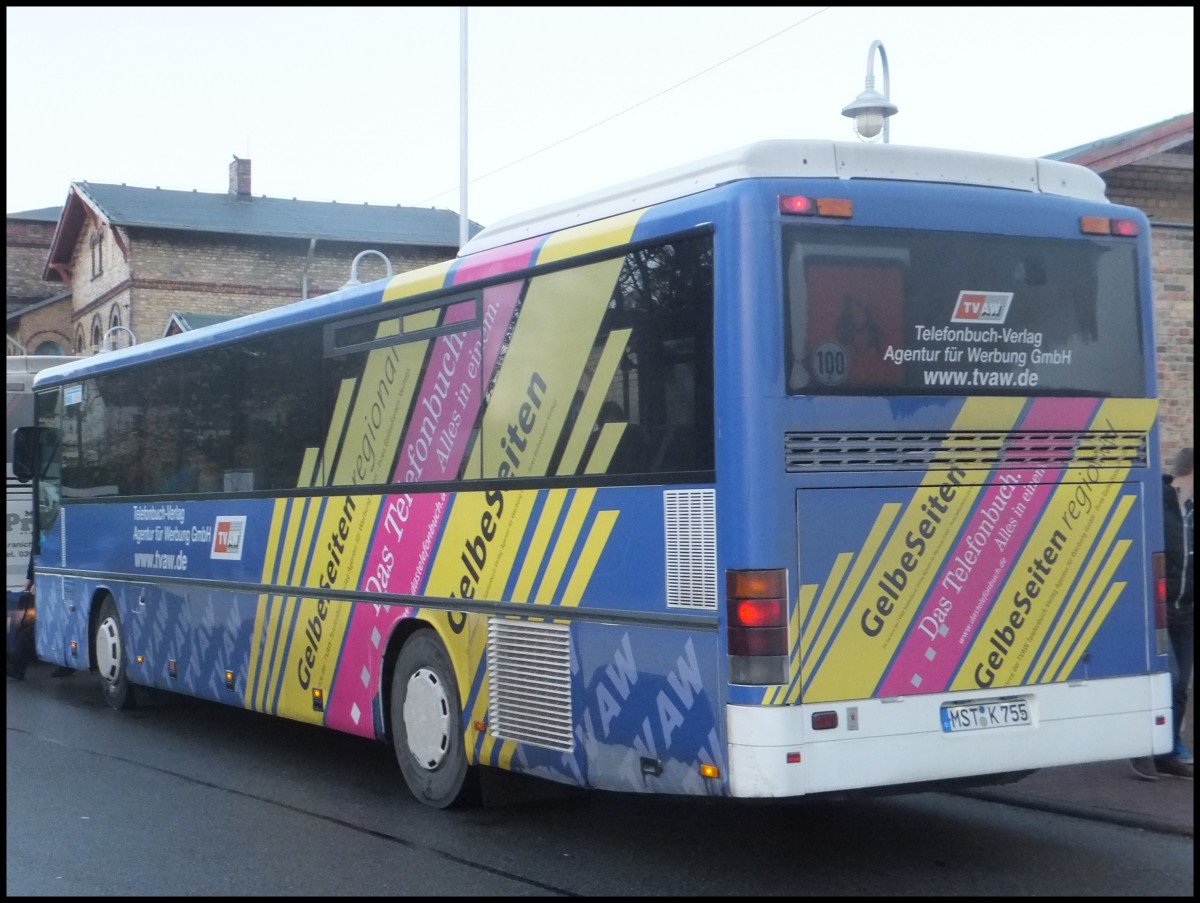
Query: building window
column 97, row 333
column 97, row 243
column 114, row 317
column 49, row 347
column 79, row 340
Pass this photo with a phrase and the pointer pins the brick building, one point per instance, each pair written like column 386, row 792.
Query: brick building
column 43, row 309
column 1152, row 168
column 117, row 262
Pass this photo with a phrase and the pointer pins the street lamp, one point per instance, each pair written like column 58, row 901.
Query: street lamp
column 354, row 280
column 104, row 346
column 870, row 110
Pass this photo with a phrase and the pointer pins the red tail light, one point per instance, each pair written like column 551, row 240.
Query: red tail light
column 1162, row 640
column 1159, row 562
column 757, row 626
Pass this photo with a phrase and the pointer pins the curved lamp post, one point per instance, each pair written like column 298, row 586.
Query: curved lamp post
column 104, row 346
column 870, row 110
column 354, row 280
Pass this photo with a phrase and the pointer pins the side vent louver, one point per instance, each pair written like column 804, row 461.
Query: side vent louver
column 529, row 682
column 690, row 521
column 940, row 451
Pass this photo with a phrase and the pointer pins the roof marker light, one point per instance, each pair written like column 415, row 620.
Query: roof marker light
column 835, row 207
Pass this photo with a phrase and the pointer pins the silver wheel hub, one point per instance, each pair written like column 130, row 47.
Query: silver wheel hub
column 427, row 718
column 108, row 650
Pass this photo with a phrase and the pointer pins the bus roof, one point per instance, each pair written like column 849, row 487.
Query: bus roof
column 800, row 159
column 765, row 159
column 35, row 363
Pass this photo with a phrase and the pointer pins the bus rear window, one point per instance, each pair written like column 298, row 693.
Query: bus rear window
column 901, row 312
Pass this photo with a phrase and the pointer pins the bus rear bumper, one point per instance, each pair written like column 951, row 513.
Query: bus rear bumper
column 775, row 752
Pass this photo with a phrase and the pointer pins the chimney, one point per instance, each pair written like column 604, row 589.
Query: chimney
column 239, row 178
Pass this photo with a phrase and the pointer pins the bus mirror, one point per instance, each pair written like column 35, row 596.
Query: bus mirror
column 24, row 453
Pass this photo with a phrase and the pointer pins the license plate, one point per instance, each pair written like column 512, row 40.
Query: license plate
column 979, row 716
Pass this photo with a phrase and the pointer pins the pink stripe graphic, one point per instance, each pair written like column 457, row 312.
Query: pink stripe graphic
column 400, row 552
column 497, row 261
column 446, row 406
column 965, row 590
column 406, row 533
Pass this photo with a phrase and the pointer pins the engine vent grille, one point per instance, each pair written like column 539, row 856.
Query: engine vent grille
column 968, row 450
column 690, row 522
column 529, row 680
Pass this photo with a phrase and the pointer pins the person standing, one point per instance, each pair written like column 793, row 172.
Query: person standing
column 1179, row 528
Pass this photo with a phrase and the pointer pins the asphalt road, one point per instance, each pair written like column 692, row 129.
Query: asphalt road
column 182, row 797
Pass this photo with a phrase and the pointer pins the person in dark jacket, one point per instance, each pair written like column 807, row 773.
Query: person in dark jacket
column 1180, row 524
column 1179, row 530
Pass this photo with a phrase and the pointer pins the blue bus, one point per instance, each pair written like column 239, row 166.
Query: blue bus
column 811, row 467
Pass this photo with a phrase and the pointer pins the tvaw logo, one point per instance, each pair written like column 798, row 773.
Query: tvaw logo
column 981, row 307
column 227, row 535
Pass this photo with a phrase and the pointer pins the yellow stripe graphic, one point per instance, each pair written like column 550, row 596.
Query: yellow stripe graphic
column 535, row 554
column 1055, row 649
column 779, row 695
column 337, row 428
column 813, row 650
column 803, row 601
column 605, row 447
column 413, row 282
column 567, row 538
column 301, row 530
column 475, row 702
column 590, row 237
column 325, row 544
column 275, row 640
column 589, row 412
column 456, row 570
column 308, row 469
column 270, row 575
column 533, row 393
column 1100, row 600
column 593, row 546
column 836, row 574
column 1105, row 607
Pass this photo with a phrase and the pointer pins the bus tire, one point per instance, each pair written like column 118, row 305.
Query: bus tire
column 427, row 725
column 111, row 657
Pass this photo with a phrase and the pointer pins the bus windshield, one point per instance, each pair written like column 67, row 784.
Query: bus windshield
column 909, row 312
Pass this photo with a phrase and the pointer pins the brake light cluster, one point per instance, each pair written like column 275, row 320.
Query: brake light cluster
column 1102, row 225
column 756, row 626
column 798, row 205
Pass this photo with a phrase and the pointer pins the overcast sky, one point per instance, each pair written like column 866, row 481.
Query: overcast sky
column 363, row 104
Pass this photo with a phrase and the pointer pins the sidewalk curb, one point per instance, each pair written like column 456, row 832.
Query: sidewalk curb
column 1090, row 813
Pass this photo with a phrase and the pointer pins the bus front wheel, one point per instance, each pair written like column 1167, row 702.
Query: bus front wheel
column 427, row 725
column 111, row 657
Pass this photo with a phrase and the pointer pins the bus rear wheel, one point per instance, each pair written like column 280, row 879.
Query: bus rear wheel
column 427, row 725
column 111, row 657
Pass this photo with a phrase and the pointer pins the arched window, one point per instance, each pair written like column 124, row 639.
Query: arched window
column 97, row 332
column 79, row 340
column 49, row 347
column 114, row 317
